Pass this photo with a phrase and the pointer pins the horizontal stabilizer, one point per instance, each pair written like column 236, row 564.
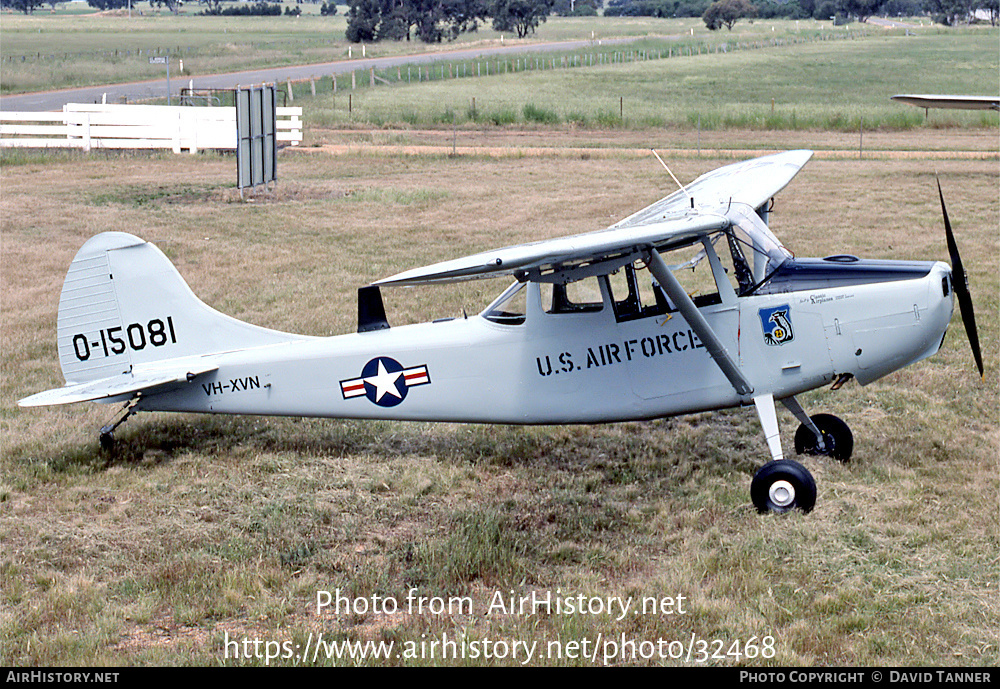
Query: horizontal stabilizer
column 126, row 384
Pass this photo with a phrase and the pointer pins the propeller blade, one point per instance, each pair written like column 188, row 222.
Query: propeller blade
column 960, row 282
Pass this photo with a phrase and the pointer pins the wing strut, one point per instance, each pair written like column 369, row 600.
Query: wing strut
column 697, row 322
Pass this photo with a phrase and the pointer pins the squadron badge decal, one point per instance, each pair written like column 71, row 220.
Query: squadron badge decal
column 777, row 324
column 384, row 381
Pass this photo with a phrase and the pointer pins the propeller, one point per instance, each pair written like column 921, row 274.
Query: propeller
column 960, row 282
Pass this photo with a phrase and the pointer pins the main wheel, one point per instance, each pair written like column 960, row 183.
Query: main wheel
column 782, row 486
column 837, row 437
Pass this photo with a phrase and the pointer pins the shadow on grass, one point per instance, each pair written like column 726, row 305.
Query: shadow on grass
column 655, row 457
column 620, row 452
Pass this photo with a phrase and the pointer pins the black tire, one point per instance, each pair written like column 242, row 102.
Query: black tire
column 837, row 437
column 783, row 486
column 107, row 442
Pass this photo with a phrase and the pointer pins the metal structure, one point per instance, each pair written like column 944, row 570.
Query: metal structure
column 256, row 137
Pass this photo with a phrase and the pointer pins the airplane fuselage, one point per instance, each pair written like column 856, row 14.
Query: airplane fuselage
column 813, row 322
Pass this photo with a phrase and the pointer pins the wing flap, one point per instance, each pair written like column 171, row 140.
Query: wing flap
column 115, row 386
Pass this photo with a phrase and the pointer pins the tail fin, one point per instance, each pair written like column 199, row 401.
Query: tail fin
column 124, row 305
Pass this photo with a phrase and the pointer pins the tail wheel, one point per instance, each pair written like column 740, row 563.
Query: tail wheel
column 782, row 486
column 837, row 438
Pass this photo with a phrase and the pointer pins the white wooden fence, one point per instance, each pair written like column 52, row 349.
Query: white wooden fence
column 178, row 128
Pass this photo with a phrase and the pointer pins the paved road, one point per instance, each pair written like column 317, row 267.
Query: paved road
column 54, row 100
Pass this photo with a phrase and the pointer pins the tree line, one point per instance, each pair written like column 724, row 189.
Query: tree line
column 433, row 21
column 948, row 12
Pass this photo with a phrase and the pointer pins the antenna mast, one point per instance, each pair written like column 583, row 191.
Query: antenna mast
column 673, row 177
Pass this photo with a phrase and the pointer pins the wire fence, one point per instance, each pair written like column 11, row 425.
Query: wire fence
column 502, row 64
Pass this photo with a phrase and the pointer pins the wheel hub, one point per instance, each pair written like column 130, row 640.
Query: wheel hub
column 781, row 493
column 829, row 444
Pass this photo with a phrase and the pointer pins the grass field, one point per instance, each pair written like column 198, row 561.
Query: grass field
column 204, row 531
column 53, row 51
column 804, row 83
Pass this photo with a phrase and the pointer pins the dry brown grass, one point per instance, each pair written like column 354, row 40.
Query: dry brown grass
column 205, row 526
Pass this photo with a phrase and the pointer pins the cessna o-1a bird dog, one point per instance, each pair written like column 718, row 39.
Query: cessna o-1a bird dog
column 596, row 327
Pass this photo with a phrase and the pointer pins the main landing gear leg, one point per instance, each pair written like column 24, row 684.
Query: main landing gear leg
column 821, row 434
column 107, row 432
column 780, row 485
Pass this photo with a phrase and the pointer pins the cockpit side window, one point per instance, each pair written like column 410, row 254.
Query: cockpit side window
column 703, row 275
column 580, row 296
column 635, row 294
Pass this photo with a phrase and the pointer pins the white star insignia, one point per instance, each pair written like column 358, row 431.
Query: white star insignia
column 384, row 382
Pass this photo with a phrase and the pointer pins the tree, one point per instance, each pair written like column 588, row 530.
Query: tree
column 26, row 6
column 172, row 5
column 363, row 18
column 861, row 9
column 430, row 20
column 726, row 13
column 447, row 19
column 949, row 12
column 520, row 16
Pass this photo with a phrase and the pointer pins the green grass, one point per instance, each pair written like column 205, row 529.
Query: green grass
column 842, row 84
column 43, row 51
column 774, row 76
column 57, row 51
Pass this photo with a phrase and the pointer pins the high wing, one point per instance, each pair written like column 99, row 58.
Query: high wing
column 681, row 217
column 123, row 385
column 950, row 102
column 561, row 253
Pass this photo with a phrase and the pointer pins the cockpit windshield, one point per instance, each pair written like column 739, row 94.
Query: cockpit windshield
column 510, row 307
column 762, row 250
